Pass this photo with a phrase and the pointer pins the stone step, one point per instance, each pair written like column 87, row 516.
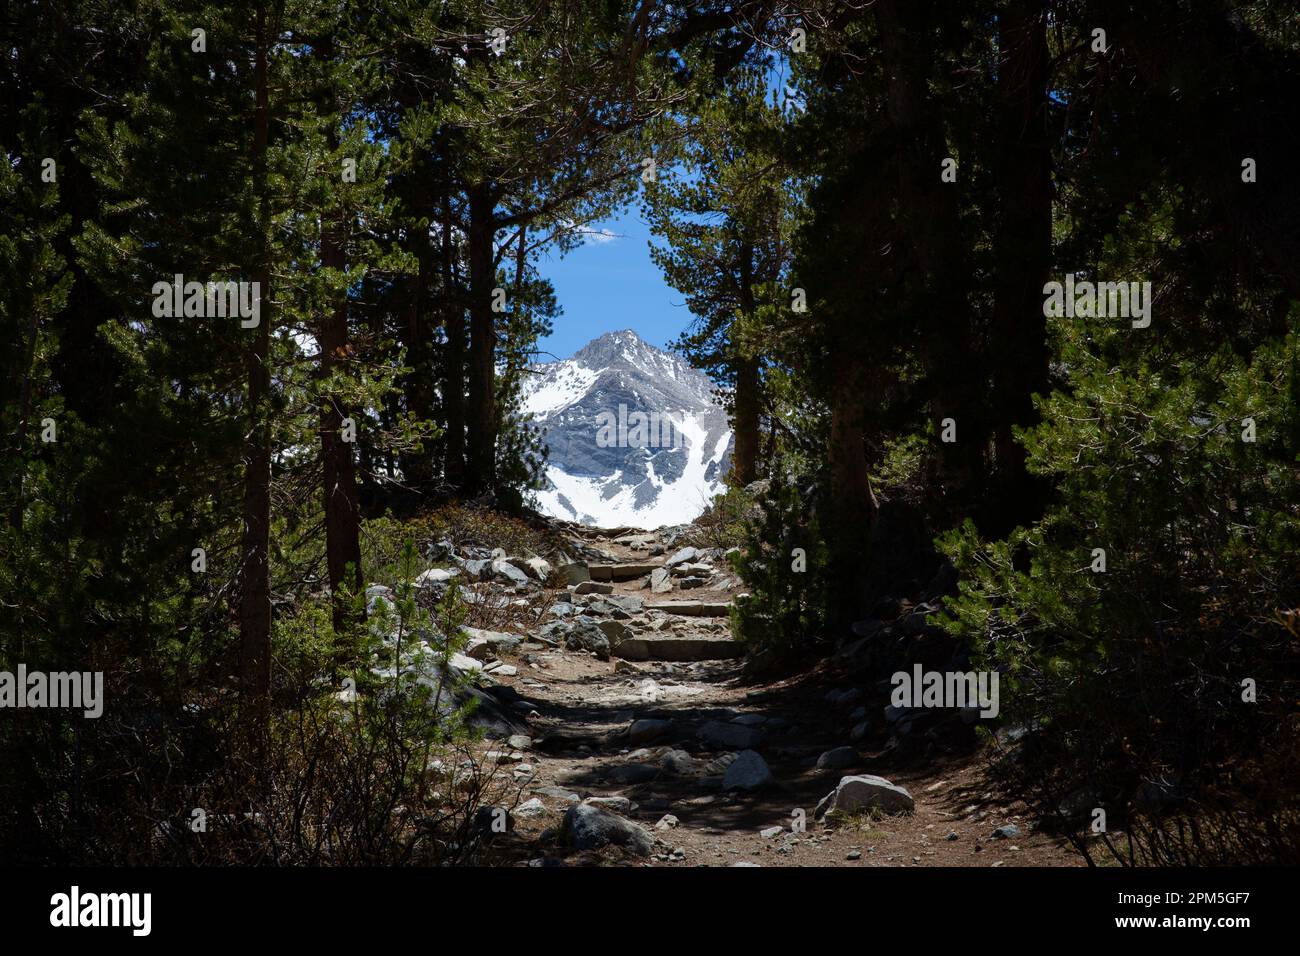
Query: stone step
column 693, row 608
column 620, row 572
column 677, row 647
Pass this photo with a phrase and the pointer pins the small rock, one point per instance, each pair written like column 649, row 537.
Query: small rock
column 621, row 804
column 838, row 759
column 1008, row 832
column 771, row 832
column 531, row 809
column 647, row 729
column 661, row 581
column 667, row 822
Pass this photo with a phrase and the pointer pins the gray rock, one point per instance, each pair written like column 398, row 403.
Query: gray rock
column 589, row 827
column 539, row 569
column 558, row 793
column 730, row 736
column 629, row 603
column 682, row 556
column 483, row 644
column 435, row 578
column 478, row 570
column 748, row 771
column 647, row 729
column 509, row 573
column 864, row 792
column 681, row 764
column 661, row 581
column 621, row 804
column 594, row 587
column 584, row 634
column 520, row 742
column 631, row 774
column 1008, row 832
column 575, row 573
column 615, row 631
column 530, row 809
column 838, row 759
column 605, row 606
column 844, row 698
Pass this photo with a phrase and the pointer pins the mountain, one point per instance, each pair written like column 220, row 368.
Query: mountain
column 635, row 435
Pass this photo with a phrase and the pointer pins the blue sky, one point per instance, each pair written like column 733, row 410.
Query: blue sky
column 610, row 284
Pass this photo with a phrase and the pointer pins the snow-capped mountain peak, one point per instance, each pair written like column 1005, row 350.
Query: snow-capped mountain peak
column 635, row 434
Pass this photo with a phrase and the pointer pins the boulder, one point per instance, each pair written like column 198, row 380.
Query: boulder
column 748, row 771
column 616, row 632
column 681, row 764
column 436, row 579
column 838, row 759
column 730, row 736
column 483, row 644
column 682, row 556
column 584, row 634
column 631, row 774
column 865, row 792
column 575, row 572
column 661, row 581
column 647, row 729
column 589, row 827
column 506, row 571
column 478, row 569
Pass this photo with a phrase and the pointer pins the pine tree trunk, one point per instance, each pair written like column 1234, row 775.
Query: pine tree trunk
column 481, row 438
column 744, row 459
column 928, row 208
column 852, row 506
column 1019, row 360
column 342, row 505
column 417, row 467
column 453, row 393
column 745, row 426
column 255, row 591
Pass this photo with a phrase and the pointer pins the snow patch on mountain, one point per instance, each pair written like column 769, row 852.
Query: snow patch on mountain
column 603, row 470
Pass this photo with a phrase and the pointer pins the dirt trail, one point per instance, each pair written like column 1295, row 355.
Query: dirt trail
column 671, row 780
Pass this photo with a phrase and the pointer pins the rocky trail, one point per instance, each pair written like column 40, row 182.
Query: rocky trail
column 616, row 705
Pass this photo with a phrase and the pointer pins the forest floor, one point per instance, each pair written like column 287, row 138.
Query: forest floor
column 582, row 708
